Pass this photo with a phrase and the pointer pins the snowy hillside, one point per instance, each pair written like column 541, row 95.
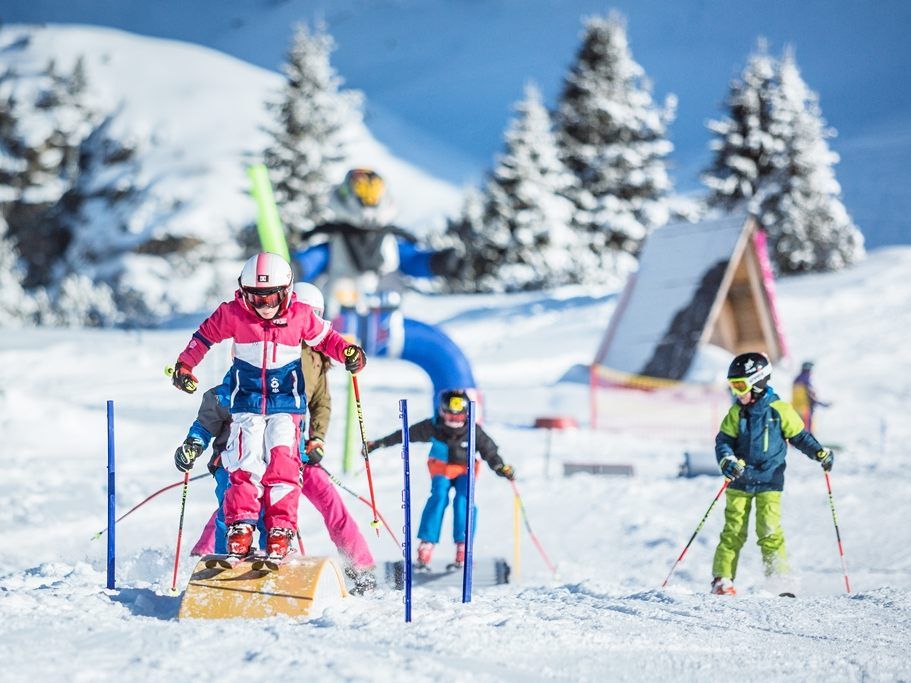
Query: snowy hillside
column 614, row 538
column 205, row 135
column 195, row 117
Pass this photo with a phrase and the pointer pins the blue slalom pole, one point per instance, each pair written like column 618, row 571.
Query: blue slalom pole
column 469, row 536
column 111, row 497
column 406, row 503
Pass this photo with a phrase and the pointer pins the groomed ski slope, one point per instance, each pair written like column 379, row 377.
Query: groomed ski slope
column 602, row 618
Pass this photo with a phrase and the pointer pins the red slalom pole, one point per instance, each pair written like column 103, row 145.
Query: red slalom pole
column 534, row 539
column 146, row 500
column 183, row 507
column 841, row 550
column 360, row 421
column 698, row 529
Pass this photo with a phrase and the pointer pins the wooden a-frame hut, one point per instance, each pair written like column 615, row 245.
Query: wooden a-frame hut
column 698, row 283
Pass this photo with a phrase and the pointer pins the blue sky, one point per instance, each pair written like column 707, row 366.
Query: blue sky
column 440, row 76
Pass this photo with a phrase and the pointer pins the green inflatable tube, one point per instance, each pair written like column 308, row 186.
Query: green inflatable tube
column 268, row 224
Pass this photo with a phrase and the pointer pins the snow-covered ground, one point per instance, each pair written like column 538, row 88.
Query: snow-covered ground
column 603, row 617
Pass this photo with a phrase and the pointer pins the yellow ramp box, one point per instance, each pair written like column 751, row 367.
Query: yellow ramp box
column 302, row 586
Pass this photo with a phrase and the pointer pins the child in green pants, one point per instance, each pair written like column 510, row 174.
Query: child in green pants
column 751, row 447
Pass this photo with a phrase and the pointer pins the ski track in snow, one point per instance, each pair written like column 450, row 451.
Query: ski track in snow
column 603, row 617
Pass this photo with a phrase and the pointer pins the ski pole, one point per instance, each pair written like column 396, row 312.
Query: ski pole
column 360, row 421
column 146, row 500
column 366, row 502
column 534, row 539
column 183, row 507
column 841, row 550
column 698, row 529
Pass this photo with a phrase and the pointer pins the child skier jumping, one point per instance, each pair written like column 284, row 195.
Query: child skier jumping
column 266, row 396
column 448, row 465
column 213, row 424
column 750, row 447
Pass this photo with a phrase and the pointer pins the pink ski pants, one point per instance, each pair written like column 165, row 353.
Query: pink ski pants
column 339, row 523
column 263, row 464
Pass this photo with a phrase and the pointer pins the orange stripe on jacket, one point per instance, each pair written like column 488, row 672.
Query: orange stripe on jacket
column 450, row 470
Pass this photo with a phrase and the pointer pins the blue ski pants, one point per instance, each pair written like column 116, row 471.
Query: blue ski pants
column 432, row 517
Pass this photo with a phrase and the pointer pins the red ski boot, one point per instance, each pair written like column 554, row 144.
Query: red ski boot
column 240, row 538
column 459, row 557
column 723, row 586
column 278, row 544
column 425, row 551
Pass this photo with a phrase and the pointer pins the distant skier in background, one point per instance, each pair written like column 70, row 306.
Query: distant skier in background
column 803, row 395
column 447, row 461
column 358, row 258
column 750, row 447
column 212, row 424
column 265, row 388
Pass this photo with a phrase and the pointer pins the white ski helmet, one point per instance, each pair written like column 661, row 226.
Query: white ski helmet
column 309, row 293
column 265, row 282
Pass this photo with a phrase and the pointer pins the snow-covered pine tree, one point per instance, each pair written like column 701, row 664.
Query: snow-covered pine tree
column 17, row 307
column 308, row 142
column 772, row 157
column 809, row 227
column 98, row 213
column 480, row 265
column 81, row 302
column 613, row 139
column 526, row 213
column 43, row 121
column 744, row 147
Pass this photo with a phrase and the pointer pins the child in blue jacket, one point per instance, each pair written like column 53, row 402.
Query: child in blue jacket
column 751, row 447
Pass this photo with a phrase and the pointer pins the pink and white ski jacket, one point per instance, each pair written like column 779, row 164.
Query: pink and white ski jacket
column 266, row 376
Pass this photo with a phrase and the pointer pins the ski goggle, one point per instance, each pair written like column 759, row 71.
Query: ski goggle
column 740, row 386
column 264, row 298
column 456, row 404
column 366, row 186
column 455, row 411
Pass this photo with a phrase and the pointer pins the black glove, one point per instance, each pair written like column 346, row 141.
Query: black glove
column 187, row 453
column 826, row 459
column 371, row 446
column 183, row 378
column 315, row 451
column 446, row 263
column 214, row 463
column 731, row 467
column 355, row 359
column 507, row 471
